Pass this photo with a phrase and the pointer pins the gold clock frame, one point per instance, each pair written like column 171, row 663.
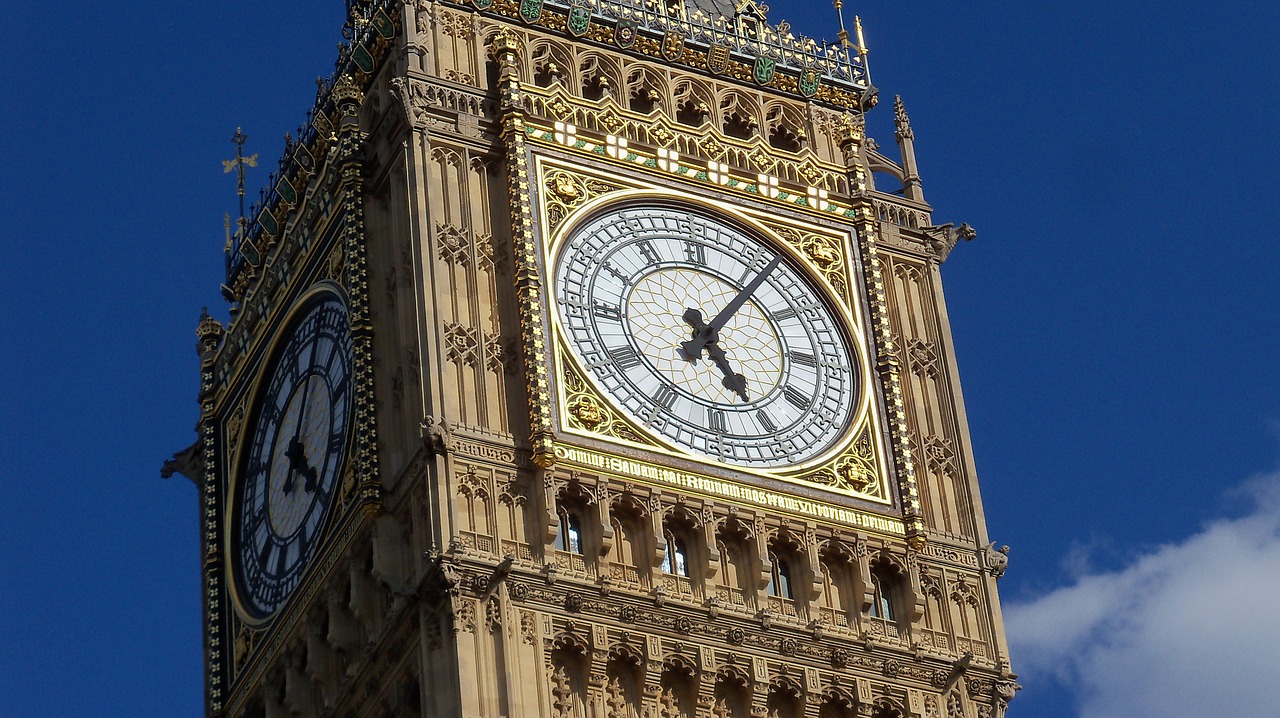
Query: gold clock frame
column 565, row 192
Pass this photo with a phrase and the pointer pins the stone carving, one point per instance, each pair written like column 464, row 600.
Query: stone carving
column 1005, row 691
column 491, row 254
column 566, row 191
column 493, row 615
column 997, row 559
column 453, row 243
column 940, row 456
column 500, row 354
column 856, row 471
column 922, row 357
column 464, row 616
column 462, row 344
column 589, row 413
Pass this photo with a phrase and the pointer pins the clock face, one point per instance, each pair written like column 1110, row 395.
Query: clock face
column 706, row 335
column 296, row 450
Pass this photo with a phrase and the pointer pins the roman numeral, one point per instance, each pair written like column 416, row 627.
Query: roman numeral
column 784, row 314
column 625, row 356
column 749, row 270
column 336, row 440
column 617, row 273
column 695, row 253
column 607, row 311
column 765, row 421
column 803, row 358
column 715, row 420
column 665, row 397
column 795, row 398
column 647, row 250
column 280, row 561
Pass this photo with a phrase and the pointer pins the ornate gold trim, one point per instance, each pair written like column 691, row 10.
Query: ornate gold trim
column 825, row 252
column 887, row 362
column 506, row 50
column 587, row 411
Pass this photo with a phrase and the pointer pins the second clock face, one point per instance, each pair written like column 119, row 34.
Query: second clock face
column 297, row 448
column 706, row 335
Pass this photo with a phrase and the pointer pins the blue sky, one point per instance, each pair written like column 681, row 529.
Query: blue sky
column 1115, row 322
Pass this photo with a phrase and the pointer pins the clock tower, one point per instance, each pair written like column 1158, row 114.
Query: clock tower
column 587, row 359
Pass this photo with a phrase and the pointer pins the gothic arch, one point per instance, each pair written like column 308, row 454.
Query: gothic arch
column 599, row 76
column 740, row 114
column 645, row 91
column 552, row 62
column 786, row 698
column 784, row 127
column 695, row 103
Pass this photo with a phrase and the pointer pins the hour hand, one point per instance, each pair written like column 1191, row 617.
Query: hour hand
column 297, row 457
column 732, row 380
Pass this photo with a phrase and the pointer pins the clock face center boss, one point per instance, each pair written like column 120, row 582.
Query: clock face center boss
column 706, row 334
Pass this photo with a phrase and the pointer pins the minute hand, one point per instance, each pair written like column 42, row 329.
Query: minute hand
column 736, row 303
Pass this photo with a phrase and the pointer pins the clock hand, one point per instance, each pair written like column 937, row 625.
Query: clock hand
column 295, row 451
column 732, row 381
column 297, row 455
column 709, row 333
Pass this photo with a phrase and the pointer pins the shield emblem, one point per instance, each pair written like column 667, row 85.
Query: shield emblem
column 386, row 28
column 268, row 223
column 287, row 192
column 718, row 58
column 809, row 81
column 764, row 69
column 250, row 253
column 531, row 10
column 579, row 20
column 482, row 4
column 362, row 58
column 625, row 32
column 304, row 158
column 672, row 45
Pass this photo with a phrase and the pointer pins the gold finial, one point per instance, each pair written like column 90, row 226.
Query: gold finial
column 238, row 164
column 844, row 34
column 862, row 43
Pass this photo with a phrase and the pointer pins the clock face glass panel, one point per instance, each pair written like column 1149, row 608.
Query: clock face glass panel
column 297, row 448
column 760, row 376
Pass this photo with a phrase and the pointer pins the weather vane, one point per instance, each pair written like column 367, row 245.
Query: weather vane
column 238, row 164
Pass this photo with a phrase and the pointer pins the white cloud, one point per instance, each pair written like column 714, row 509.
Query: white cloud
column 1189, row 629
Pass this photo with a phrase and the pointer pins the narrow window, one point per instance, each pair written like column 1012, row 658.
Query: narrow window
column 676, row 560
column 780, row 578
column 882, row 595
column 570, row 538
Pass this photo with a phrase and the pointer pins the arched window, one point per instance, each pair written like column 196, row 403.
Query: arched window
column 780, row 577
column 883, row 589
column 738, row 587
column 676, row 560
column 570, row 536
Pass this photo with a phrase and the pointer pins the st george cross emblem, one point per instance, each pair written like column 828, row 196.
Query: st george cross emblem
column 809, row 81
column 531, row 10
column 718, row 58
column 764, row 69
column 579, row 19
column 673, row 45
column 625, row 33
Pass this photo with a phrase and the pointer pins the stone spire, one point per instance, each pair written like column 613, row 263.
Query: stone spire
column 911, row 188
